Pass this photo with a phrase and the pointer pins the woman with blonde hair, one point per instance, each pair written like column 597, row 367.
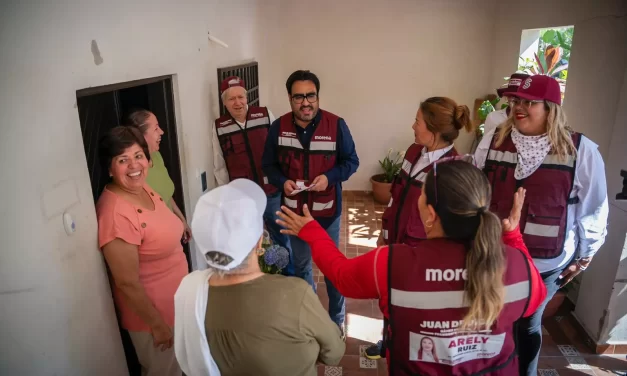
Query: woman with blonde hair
column 564, row 221
column 464, row 285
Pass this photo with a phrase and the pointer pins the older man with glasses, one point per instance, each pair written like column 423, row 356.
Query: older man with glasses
column 239, row 139
column 309, row 153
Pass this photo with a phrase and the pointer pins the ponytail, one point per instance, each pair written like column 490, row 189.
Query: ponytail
column 463, row 197
column 462, row 118
column 485, row 263
column 443, row 116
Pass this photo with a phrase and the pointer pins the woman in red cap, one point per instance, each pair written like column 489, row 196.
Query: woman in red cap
column 565, row 218
column 461, row 288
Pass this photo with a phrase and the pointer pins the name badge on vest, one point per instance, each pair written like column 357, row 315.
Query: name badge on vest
column 430, row 347
column 442, row 341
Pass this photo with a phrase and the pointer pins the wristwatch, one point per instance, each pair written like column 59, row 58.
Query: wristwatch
column 583, row 262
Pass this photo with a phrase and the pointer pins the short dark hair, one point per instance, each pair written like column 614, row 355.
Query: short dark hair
column 118, row 139
column 302, row 75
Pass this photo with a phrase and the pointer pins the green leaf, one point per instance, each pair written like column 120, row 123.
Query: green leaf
column 548, row 36
column 560, row 38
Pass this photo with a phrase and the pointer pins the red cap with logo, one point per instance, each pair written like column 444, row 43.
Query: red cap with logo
column 512, row 84
column 538, row 88
column 231, row 82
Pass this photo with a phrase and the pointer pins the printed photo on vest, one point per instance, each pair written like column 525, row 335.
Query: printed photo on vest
column 454, row 350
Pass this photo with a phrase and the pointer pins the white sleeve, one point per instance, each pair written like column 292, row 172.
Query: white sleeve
column 271, row 116
column 592, row 210
column 219, row 166
column 492, row 122
column 481, row 153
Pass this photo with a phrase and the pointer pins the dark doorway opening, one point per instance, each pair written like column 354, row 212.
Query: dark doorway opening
column 102, row 108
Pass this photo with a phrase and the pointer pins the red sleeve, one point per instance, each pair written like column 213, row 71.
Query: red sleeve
column 538, row 289
column 354, row 277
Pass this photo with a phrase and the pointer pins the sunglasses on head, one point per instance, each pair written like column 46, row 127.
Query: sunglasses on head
column 466, row 158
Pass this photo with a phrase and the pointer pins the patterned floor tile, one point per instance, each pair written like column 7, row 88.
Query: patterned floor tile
column 577, row 363
column 363, row 361
column 332, row 371
column 568, row 350
column 548, row 372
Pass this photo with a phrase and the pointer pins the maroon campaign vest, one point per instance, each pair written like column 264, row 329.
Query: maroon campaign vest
column 401, row 222
column 242, row 148
column 299, row 163
column 426, row 305
column 543, row 218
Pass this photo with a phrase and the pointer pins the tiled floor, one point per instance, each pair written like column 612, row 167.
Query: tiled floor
column 564, row 351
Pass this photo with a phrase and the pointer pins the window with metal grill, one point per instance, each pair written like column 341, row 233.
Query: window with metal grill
column 249, row 73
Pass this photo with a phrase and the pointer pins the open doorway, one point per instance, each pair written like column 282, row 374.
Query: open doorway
column 547, row 51
column 102, row 108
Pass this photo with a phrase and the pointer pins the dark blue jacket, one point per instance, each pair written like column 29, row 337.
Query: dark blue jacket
column 347, row 160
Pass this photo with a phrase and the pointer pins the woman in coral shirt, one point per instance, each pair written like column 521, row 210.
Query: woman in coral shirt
column 454, row 209
column 141, row 242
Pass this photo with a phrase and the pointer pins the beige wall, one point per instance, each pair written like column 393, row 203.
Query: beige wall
column 56, row 314
column 378, row 59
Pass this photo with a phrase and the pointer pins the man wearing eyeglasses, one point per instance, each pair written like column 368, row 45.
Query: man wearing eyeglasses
column 309, row 153
column 238, row 142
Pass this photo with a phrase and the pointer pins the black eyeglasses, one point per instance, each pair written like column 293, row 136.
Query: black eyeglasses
column 299, row 98
column 466, row 158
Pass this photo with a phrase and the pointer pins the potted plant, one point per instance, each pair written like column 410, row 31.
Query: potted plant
column 381, row 183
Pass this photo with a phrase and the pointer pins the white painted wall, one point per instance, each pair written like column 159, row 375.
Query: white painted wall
column 529, row 41
column 378, row 59
column 56, row 314
column 610, row 274
column 595, row 80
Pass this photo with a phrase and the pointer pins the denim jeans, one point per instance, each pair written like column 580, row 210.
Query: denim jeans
column 303, row 269
column 530, row 328
column 270, row 217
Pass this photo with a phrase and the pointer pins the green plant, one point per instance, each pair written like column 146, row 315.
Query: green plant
column 484, row 110
column 552, row 56
column 557, row 37
column 391, row 165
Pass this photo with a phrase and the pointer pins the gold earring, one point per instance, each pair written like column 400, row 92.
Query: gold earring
column 427, row 225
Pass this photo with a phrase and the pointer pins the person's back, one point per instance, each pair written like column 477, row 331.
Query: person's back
column 272, row 325
column 232, row 319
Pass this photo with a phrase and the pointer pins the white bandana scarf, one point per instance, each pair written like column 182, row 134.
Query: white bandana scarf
column 531, row 152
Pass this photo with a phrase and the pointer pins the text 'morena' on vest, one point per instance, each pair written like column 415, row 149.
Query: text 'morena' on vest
column 461, row 213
